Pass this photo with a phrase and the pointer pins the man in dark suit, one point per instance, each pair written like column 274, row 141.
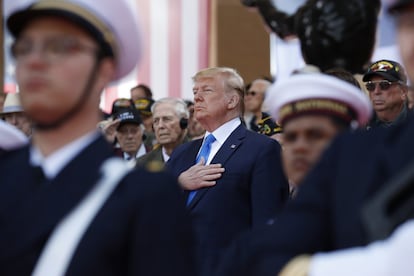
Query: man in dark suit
column 334, row 209
column 243, row 182
column 65, row 208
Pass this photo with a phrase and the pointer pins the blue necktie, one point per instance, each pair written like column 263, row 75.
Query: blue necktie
column 204, row 152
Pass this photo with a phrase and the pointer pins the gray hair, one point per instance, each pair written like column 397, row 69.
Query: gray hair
column 180, row 106
column 233, row 79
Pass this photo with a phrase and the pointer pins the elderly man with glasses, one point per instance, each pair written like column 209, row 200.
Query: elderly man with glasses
column 385, row 82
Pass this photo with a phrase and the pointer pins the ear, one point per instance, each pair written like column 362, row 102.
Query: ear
column 106, row 73
column 233, row 101
column 404, row 92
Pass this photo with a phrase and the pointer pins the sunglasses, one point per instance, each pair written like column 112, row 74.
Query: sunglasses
column 383, row 84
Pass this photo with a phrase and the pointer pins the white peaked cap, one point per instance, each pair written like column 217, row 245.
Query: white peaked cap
column 317, row 86
column 112, row 20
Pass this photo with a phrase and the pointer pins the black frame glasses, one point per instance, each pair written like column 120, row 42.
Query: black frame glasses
column 52, row 49
column 383, row 85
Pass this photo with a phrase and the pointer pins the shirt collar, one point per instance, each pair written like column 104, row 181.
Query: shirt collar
column 55, row 162
column 165, row 156
column 223, row 132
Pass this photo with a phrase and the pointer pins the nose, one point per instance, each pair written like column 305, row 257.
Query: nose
column 161, row 124
column 300, row 144
column 158, row 123
column 377, row 89
column 197, row 96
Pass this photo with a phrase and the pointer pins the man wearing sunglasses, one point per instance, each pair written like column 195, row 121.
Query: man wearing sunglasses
column 253, row 102
column 386, row 82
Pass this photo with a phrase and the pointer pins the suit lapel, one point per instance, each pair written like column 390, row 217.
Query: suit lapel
column 230, row 146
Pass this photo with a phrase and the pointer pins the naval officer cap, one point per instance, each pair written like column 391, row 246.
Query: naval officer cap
column 317, row 93
column 111, row 23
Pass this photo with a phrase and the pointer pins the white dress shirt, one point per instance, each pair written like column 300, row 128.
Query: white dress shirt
column 221, row 134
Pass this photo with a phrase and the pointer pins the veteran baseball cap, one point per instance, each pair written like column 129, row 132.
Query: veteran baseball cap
column 111, row 23
column 388, row 69
column 121, row 104
column 144, row 105
column 268, row 126
column 128, row 116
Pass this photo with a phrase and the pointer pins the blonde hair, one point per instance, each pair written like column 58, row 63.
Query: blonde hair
column 233, row 80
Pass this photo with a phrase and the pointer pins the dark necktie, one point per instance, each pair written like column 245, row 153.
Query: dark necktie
column 204, row 152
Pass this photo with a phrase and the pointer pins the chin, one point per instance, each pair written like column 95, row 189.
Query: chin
column 298, row 177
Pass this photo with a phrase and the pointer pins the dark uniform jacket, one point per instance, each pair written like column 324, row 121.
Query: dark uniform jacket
column 142, row 229
column 327, row 213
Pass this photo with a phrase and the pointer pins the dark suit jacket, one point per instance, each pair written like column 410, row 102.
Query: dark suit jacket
column 142, row 229
column 251, row 191
column 326, row 215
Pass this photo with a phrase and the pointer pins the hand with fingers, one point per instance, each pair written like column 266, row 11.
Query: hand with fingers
column 200, row 175
column 108, row 128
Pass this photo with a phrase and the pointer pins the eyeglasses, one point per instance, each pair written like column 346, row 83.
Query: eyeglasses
column 52, row 49
column 383, row 84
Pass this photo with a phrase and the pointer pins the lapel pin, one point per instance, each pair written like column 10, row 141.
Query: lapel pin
column 233, row 146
